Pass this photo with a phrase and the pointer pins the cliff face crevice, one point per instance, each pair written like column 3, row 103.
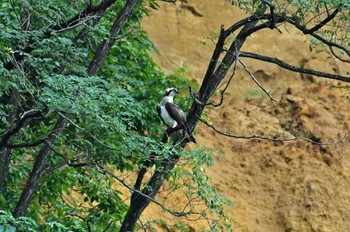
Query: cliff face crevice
column 281, row 186
column 186, row 6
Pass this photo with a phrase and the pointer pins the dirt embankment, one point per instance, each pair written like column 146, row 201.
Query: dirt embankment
column 289, row 186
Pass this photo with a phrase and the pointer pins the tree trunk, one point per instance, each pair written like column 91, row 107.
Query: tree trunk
column 138, row 202
column 212, row 79
column 5, row 153
column 44, row 154
column 5, row 158
column 104, row 48
column 37, row 172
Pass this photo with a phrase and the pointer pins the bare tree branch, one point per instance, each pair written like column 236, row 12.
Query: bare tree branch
column 170, row 1
column 194, row 96
column 337, row 56
column 104, row 170
column 316, row 36
column 228, row 82
column 323, row 22
column 257, row 82
column 275, row 139
column 29, row 144
column 294, row 68
column 278, row 18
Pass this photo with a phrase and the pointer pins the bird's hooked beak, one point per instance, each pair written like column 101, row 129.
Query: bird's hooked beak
column 176, row 91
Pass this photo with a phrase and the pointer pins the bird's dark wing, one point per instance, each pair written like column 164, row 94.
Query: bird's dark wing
column 176, row 113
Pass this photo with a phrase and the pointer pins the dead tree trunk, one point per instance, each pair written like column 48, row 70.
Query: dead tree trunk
column 209, row 85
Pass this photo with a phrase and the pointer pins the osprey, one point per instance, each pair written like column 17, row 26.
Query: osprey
column 171, row 114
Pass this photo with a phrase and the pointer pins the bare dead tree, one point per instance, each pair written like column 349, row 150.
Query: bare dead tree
column 216, row 71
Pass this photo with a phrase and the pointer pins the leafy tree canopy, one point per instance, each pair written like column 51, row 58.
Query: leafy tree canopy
column 78, row 91
column 110, row 119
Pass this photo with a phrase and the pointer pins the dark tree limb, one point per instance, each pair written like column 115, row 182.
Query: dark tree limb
column 17, row 126
column 103, row 49
column 88, row 11
column 183, row 213
column 210, row 83
column 323, row 22
column 216, row 55
column 222, row 93
column 293, row 68
column 313, row 33
column 170, row 1
column 37, row 172
column 215, row 73
column 5, row 159
column 39, row 168
column 140, row 202
column 278, row 18
column 21, row 145
column 5, row 153
column 338, row 56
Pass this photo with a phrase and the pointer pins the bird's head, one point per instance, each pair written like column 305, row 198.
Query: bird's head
column 171, row 92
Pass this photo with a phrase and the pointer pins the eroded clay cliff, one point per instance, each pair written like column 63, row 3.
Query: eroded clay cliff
column 289, row 186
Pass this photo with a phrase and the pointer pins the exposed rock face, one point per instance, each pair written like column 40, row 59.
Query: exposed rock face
column 289, row 186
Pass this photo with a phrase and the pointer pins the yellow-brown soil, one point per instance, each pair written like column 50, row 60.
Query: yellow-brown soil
column 289, row 186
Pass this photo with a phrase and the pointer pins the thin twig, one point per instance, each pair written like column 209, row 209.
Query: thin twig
column 104, row 170
column 170, row 1
column 125, row 35
column 337, row 56
column 89, row 134
column 87, row 222
column 67, row 161
column 293, row 68
column 109, row 225
column 194, row 96
column 256, row 81
column 228, row 82
column 274, row 139
column 76, row 23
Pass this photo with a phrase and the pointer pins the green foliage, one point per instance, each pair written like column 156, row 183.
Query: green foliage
column 345, row 87
column 9, row 224
column 198, row 185
column 110, row 117
column 309, row 13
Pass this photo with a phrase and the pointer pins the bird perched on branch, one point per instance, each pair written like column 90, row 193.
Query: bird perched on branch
column 172, row 115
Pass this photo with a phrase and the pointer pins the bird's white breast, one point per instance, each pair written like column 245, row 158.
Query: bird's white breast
column 167, row 118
